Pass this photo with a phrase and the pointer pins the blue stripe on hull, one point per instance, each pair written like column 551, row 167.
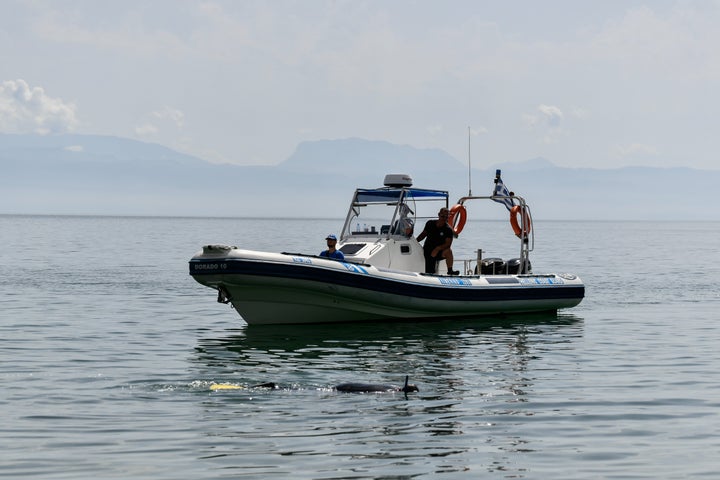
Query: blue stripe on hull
column 360, row 279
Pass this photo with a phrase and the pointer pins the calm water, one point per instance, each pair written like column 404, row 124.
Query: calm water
column 108, row 349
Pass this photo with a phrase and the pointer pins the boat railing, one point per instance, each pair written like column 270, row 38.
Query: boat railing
column 521, row 220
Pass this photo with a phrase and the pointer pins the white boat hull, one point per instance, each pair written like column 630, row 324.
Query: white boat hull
column 272, row 288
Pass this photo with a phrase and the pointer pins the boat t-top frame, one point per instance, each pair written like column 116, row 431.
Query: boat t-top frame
column 403, row 199
column 369, row 211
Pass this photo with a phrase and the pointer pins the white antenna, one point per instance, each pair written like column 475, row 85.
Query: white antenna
column 469, row 170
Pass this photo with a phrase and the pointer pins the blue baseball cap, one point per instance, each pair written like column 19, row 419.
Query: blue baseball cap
column 331, row 237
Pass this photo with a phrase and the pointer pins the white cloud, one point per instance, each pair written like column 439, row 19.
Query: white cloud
column 551, row 115
column 173, row 114
column 434, row 129
column 529, row 119
column 580, row 113
column 545, row 116
column 546, row 120
column 75, row 148
column 161, row 121
column 127, row 33
column 30, row 110
column 635, row 149
column 146, row 129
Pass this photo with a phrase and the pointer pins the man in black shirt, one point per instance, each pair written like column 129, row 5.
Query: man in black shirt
column 438, row 237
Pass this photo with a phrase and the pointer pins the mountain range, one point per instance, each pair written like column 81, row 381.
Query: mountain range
column 102, row 175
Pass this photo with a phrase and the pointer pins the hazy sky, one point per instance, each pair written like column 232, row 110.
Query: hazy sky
column 582, row 83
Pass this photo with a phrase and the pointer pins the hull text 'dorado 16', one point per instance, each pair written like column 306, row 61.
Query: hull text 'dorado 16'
column 383, row 275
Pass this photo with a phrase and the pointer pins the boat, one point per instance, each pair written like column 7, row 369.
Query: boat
column 382, row 276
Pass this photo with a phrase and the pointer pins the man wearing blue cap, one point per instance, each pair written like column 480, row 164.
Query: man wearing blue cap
column 332, row 252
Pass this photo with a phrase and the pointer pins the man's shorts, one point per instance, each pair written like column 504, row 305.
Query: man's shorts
column 431, row 262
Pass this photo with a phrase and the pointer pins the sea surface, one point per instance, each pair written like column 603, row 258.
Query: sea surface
column 108, row 349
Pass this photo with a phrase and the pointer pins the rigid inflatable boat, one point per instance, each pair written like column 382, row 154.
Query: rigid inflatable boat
column 382, row 277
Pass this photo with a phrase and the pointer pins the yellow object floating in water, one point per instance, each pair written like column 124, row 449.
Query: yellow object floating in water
column 225, row 386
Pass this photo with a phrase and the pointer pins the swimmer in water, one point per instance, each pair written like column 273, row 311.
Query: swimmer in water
column 353, row 387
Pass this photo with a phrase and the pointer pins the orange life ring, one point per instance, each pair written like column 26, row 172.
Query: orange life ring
column 457, row 218
column 515, row 224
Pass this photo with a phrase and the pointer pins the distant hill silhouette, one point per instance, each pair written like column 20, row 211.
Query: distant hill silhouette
column 338, row 156
column 86, row 174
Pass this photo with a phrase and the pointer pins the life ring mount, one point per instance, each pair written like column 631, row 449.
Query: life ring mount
column 457, row 218
column 520, row 226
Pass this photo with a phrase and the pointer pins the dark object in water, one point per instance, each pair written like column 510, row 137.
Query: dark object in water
column 353, row 387
column 271, row 385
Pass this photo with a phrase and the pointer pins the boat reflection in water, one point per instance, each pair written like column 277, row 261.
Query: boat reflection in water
column 444, row 348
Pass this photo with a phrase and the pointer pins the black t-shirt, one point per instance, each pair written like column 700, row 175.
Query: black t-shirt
column 435, row 235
